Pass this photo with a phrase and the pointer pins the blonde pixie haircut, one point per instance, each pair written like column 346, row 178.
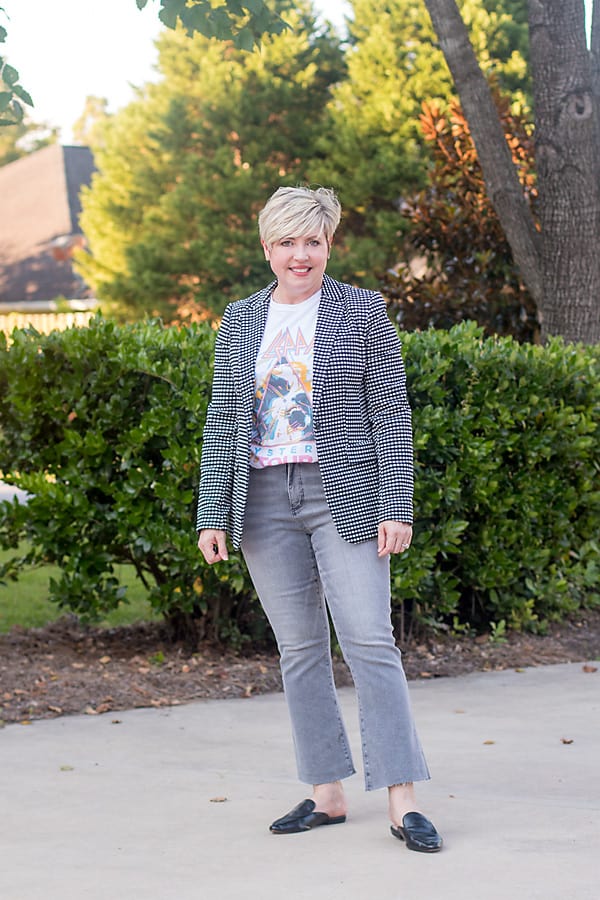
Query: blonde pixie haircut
column 297, row 212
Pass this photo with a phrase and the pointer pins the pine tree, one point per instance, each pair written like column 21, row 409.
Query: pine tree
column 374, row 153
column 183, row 171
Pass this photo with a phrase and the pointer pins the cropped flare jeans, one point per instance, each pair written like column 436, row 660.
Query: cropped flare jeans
column 301, row 568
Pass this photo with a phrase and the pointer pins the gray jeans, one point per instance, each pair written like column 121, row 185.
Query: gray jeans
column 300, row 566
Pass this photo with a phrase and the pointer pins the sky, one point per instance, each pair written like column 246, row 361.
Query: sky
column 66, row 50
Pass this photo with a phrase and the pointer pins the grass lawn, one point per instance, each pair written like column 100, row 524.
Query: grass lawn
column 25, row 602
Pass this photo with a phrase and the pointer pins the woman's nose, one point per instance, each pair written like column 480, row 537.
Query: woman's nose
column 300, row 251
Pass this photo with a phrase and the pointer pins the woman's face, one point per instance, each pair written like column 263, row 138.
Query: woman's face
column 299, row 264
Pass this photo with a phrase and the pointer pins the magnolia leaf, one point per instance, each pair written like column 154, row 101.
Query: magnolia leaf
column 141, row 3
column 10, row 75
column 5, row 98
column 195, row 19
column 222, row 25
column 3, row 34
column 171, row 11
column 168, row 18
column 256, row 7
column 244, row 39
column 23, row 95
column 236, row 8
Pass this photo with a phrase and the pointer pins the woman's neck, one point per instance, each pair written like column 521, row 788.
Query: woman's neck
column 285, row 297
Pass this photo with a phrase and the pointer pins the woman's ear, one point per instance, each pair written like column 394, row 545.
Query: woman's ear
column 266, row 249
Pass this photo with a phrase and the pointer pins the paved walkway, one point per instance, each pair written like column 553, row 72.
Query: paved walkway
column 174, row 804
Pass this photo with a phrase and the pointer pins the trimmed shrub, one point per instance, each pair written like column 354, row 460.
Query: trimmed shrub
column 507, row 442
column 103, row 427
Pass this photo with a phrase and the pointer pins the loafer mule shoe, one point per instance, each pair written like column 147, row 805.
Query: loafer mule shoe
column 418, row 833
column 303, row 818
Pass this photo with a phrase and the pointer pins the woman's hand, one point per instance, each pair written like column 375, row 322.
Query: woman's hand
column 393, row 537
column 212, row 543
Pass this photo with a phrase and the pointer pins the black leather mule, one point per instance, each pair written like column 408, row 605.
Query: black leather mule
column 303, row 818
column 418, row 833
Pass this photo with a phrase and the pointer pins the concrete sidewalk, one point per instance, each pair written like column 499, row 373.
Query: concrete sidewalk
column 124, row 806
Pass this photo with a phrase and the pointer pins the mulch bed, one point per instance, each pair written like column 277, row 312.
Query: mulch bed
column 65, row 668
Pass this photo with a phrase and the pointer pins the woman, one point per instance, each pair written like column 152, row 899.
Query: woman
column 307, row 466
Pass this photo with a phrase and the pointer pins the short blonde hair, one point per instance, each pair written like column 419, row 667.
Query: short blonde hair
column 299, row 211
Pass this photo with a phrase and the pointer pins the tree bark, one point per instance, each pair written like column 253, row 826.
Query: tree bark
column 568, row 169
column 595, row 30
column 560, row 266
column 595, row 61
column 500, row 175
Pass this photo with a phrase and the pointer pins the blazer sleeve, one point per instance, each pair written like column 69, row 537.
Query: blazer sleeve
column 390, row 416
column 215, row 492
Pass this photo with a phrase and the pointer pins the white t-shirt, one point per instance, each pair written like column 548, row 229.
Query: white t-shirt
column 282, row 424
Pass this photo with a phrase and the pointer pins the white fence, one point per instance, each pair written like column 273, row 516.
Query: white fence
column 44, row 322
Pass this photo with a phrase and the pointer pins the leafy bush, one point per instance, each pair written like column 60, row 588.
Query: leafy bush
column 102, row 426
column 507, row 441
column 467, row 267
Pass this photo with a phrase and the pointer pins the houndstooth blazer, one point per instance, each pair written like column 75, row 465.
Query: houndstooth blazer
column 361, row 415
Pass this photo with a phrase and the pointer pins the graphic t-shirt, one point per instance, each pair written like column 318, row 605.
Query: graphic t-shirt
column 282, row 423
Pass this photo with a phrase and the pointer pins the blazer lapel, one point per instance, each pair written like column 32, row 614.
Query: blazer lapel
column 252, row 326
column 331, row 308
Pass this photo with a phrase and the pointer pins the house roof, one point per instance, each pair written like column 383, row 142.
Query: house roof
column 39, row 204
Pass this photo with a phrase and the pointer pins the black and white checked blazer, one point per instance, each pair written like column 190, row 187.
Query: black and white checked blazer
column 361, row 415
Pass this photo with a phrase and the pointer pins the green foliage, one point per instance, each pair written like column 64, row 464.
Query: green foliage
column 459, row 263
column 500, row 35
column 12, row 94
column 373, row 151
column 507, row 440
column 171, row 215
column 244, row 22
column 25, row 603
column 102, row 426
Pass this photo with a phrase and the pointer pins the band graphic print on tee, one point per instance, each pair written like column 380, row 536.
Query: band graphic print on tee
column 282, row 419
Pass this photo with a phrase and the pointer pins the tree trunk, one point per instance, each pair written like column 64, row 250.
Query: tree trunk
column 500, row 175
column 595, row 63
column 560, row 266
column 595, row 29
column 567, row 164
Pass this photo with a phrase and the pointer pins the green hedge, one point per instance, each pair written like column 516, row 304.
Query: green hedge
column 507, row 442
column 102, row 426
